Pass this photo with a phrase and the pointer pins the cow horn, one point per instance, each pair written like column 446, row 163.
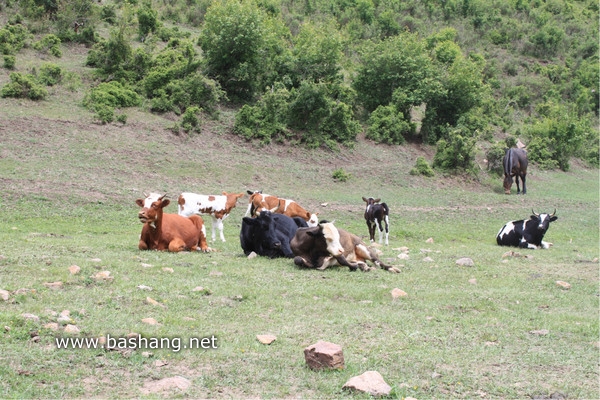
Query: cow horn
column 534, row 213
column 145, row 195
column 552, row 215
column 163, row 196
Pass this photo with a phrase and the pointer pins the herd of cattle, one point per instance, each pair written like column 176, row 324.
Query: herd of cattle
column 275, row 227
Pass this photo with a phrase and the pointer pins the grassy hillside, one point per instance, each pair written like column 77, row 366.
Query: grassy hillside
column 500, row 329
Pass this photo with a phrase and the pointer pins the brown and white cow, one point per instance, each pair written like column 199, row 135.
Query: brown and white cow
column 217, row 206
column 265, row 202
column 325, row 245
column 172, row 232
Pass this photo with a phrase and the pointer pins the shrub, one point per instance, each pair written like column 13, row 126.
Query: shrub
column 104, row 113
column 12, row 38
column 50, row 74
column 111, row 94
column 49, row 43
column 387, row 125
column 9, row 62
column 422, row 167
column 122, row 118
column 190, row 121
column 147, row 20
column 456, row 152
column 341, row 175
column 494, row 156
column 25, row 86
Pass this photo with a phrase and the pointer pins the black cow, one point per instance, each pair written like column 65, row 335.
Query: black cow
column 269, row 234
column 376, row 214
column 515, row 164
column 325, row 245
column 526, row 234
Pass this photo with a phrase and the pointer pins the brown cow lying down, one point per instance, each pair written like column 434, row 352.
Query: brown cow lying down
column 325, row 245
column 170, row 232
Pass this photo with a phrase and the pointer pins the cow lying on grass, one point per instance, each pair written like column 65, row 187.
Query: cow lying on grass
column 265, row 202
column 170, row 232
column 325, row 245
column 269, row 234
column 526, row 234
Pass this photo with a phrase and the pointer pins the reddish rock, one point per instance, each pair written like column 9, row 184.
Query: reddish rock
column 370, row 382
column 324, row 355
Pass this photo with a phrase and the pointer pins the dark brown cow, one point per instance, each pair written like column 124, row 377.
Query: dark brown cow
column 325, row 245
column 170, row 232
column 515, row 164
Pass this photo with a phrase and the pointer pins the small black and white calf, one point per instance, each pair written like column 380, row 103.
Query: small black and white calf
column 526, row 234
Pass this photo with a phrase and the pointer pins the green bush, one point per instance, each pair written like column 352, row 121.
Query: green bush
column 494, row 156
column 49, row 43
column 341, row 175
column 23, row 86
column 50, row 74
column 147, row 19
column 104, row 113
column 13, row 38
column 456, row 152
column 9, row 61
column 111, row 94
column 387, row 125
column 422, row 167
column 190, row 121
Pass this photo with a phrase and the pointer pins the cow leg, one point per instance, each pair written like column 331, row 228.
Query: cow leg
column 202, row 240
column 379, row 227
column 387, row 229
column 524, row 244
column 220, row 227
column 143, row 245
column 301, row 262
column 371, row 226
column 177, row 245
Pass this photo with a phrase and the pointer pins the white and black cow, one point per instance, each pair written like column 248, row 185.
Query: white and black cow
column 526, row 234
column 269, row 234
column 325, row 245
column 377, row 214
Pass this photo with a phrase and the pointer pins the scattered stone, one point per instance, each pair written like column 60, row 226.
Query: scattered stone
column 53, row 326
column 436, row 375
column 540, row 332
column 563, row 285
column 53, row 285
column 65, row 313
column 166, row 385
column 24, row 291
column 144, row 287
column 150, row 300
column 425, row 251
column 430, row 240
column 252, row 255
column 515, row 254
column 402, row 249
column 595, row 260
column 96, row 260
column 146, row 265
column 324, row 204
column 403, row 256
column 428, row 259
column 150, row 321
column 370, row 382
column 103, row 276
column 35, row 339
column 198, row 289
column 74, row 269
column 147, row 354
column 31, row 317
column 160, row 363
column 64, row 319
column 168, row 269
column 396, row 293
column 473, row 281
column 465, row 262
column 4, row 294
column 216, row 273
column 324, row 355
column 266, row 339
column 72, row 329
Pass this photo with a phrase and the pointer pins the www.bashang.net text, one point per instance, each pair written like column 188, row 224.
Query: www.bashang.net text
column 174, row 344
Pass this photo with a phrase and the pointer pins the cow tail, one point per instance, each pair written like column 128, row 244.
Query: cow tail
column 386, row 209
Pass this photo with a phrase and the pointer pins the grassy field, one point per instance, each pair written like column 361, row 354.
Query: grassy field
column 499, row 329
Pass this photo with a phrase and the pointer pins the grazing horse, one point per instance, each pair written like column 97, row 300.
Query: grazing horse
column 375, row 214
column 515, row 164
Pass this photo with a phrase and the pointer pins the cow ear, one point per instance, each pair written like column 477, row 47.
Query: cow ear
column 165, row 203
column 553, row 218
column 250, row 192
column 315, row 233
column 533, row 217
column 377, row 200
column 140, row 202
column 249, row 221
column 365, row 200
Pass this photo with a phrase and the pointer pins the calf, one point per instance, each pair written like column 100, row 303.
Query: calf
column 526, row 234
column 218, row 207
column 375, row 214
column 515, row 164
column 170, row 232
column 325, row 245
column 265, row 202
column 269, row 234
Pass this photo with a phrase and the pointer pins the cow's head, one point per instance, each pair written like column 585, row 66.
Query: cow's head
column 264, row 233
column 370, row 201
column 152, row 205
column 508, row 181
column 313, row 220
column 332, row 238
column 544, row 220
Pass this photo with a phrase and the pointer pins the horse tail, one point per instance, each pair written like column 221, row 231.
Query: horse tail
column 508, row 162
